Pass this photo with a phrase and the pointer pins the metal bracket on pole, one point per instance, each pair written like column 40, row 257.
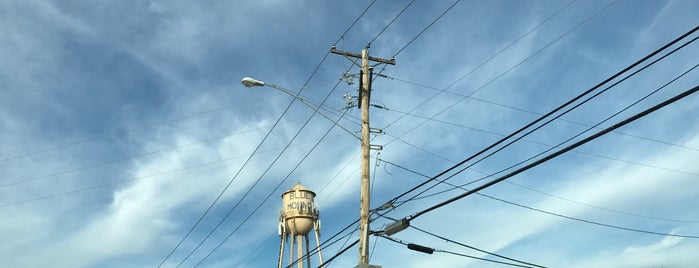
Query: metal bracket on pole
column 376, row 130
column 375, row 147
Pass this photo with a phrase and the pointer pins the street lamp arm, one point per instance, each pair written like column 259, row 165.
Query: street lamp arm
column 250, row 82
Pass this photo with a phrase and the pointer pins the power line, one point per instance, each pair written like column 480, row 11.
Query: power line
column 148, row 153
column 491, row 58
column 529, row 189
column 475, row 248
column 535, row 121
column 96, row 137
column 570, row 109
column 93, row 187
column 391, row 22
column 599, row 207
column 560, row 107
column 544, row 211
column 342, row 36
column 560, row 152
column 260, row 144
column 512, row 43
column 458, row 254
column 426, row 28
column 534, row 142
column 521, row 110
column 338, row 254
column 587, row 221
column 324, row 246
column 271, row 192
column 218, row 197
column 467, row 246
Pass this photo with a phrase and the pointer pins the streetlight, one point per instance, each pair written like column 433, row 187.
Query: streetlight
column 251, row 82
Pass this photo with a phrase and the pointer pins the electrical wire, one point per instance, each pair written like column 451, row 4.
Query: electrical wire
column 130, row 130
column 521, row 110
column 543, row 116
column 459, row 254
column 570, row 109
column 131, row 179
column 587, row 221
column 327, row 243
column 338, row 254
column 467, row 246
column 528, row 189
column 387, row 203
column 599, row 207
column 342, row 36
column 486, row 61
column 230, row 211
column 391, row 22
column 131, row 157
column 545, row 211
column 315, row 70
column 218, row 197
column 555, row 110
column 257, row 249
column 342, row 246
column 559, row 152
column 534, row 142
column 499, row 75
column 426, row 28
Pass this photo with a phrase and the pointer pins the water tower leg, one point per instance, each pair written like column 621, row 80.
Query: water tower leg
column 308, row 251
column 320, row 255
column 291, row 250
column 299, row 250
column 281, row 249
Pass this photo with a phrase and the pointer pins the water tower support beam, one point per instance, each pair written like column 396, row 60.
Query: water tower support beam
column 281, row 248
column 320, row 255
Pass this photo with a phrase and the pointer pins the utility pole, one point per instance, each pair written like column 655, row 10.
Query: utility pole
column 364, row 103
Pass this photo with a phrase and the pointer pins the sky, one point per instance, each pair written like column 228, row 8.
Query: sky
column 123, row 121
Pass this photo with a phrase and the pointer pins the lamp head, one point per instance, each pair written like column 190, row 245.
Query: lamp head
column 250, row 82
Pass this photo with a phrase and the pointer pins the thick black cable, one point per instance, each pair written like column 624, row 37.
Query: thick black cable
column 502, row 74
column 545, row 211
column 326, row 243
column 549, row 113
column 569, row 110
column 458, row 254
column 339, row 253
column 529, row 189
column 342, row 246
column 560, row 152
column 469, row 247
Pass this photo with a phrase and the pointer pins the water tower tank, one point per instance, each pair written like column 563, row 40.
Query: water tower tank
column 298, row 210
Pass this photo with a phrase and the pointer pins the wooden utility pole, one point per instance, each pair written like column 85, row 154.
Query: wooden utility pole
column 364, row 103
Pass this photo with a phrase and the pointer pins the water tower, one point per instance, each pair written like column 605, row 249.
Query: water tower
column 297, row 217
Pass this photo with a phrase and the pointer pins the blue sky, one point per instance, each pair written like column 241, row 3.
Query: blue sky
column 122, row 121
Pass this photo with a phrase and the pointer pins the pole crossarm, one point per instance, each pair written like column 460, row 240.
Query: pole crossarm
column 359, row 56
